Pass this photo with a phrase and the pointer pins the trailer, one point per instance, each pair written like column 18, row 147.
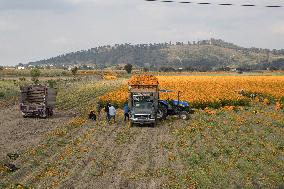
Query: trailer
column 37, row 100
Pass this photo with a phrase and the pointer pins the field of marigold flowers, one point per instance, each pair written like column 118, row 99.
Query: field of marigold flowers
column 212, row 91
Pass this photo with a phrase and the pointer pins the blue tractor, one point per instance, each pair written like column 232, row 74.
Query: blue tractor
column 176, row 107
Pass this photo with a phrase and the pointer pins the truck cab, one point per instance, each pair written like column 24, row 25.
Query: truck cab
column 143, row 108
column 143, row 99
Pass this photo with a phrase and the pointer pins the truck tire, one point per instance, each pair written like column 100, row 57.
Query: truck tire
column 184, row 115
column 25, row 116
column 154, row 124
column 49, row 112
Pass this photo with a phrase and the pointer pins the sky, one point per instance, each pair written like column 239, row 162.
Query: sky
column 32, row 30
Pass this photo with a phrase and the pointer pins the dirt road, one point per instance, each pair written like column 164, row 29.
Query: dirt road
column 17, row 133
column 122, row 158
column 98, row 155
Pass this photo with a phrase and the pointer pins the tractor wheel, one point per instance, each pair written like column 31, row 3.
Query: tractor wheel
column 184, row 115
column 162, row 113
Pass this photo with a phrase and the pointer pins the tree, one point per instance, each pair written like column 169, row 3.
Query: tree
column 74, row 70
column 145, row 69
column 35, row 73
column 128, row 68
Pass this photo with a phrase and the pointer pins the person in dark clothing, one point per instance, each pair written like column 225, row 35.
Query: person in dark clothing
column 126, row 111
column 92, row 116
column 99, row 108
column 107, row 111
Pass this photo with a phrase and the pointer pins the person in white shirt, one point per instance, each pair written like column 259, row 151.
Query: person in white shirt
column 112, row 112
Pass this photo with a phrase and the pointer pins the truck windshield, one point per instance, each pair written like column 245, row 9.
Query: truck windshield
column 143, row 104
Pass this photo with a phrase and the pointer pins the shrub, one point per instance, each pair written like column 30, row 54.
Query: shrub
column 128, row 68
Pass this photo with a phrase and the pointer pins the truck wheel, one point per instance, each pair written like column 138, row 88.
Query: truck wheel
column 184, row 115
column 25, row 116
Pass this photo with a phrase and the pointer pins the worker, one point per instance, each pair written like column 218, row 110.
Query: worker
column 112, row 112
column 126, row 111
column 92, row 116
column 107, row 111
column 99, row 108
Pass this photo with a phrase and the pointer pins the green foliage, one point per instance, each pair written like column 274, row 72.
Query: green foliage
column 52, row 83
column 35, row 73
column 260, row 96
column 22, row 79
column 80, row 95
column 74, row 71
column 145, row 69
column 221, row 103
column 225, row 150
column 282, row 101
column 64, row 73
column 200, row 56
column 9, row 91
column 2, row 94
column 128, row 68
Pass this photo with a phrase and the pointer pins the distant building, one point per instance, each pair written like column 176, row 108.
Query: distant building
column 20, row 67
column 31, row 66
column 10, row 68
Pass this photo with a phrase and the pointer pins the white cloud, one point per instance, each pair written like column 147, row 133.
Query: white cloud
column 278, row 29
column 6, row 26
column 62, row 41
column 31, row 30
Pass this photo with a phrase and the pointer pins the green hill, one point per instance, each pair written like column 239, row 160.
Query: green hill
column 202, row 55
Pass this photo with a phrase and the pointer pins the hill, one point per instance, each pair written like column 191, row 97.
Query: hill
column 202, row 55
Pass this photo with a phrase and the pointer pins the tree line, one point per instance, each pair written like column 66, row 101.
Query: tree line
column 202, row 55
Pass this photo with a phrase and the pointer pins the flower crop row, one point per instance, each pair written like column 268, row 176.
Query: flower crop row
column 209, row 91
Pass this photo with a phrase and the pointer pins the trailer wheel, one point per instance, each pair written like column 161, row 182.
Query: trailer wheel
column 44, row 114
column 49, row 112
column 184, row 115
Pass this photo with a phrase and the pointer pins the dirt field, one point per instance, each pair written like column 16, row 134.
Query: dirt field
column 175, row 154
column 111, row 156
column 17, row 133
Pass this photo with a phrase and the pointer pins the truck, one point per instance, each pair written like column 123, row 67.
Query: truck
column 143, row 100
column 37, row 101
